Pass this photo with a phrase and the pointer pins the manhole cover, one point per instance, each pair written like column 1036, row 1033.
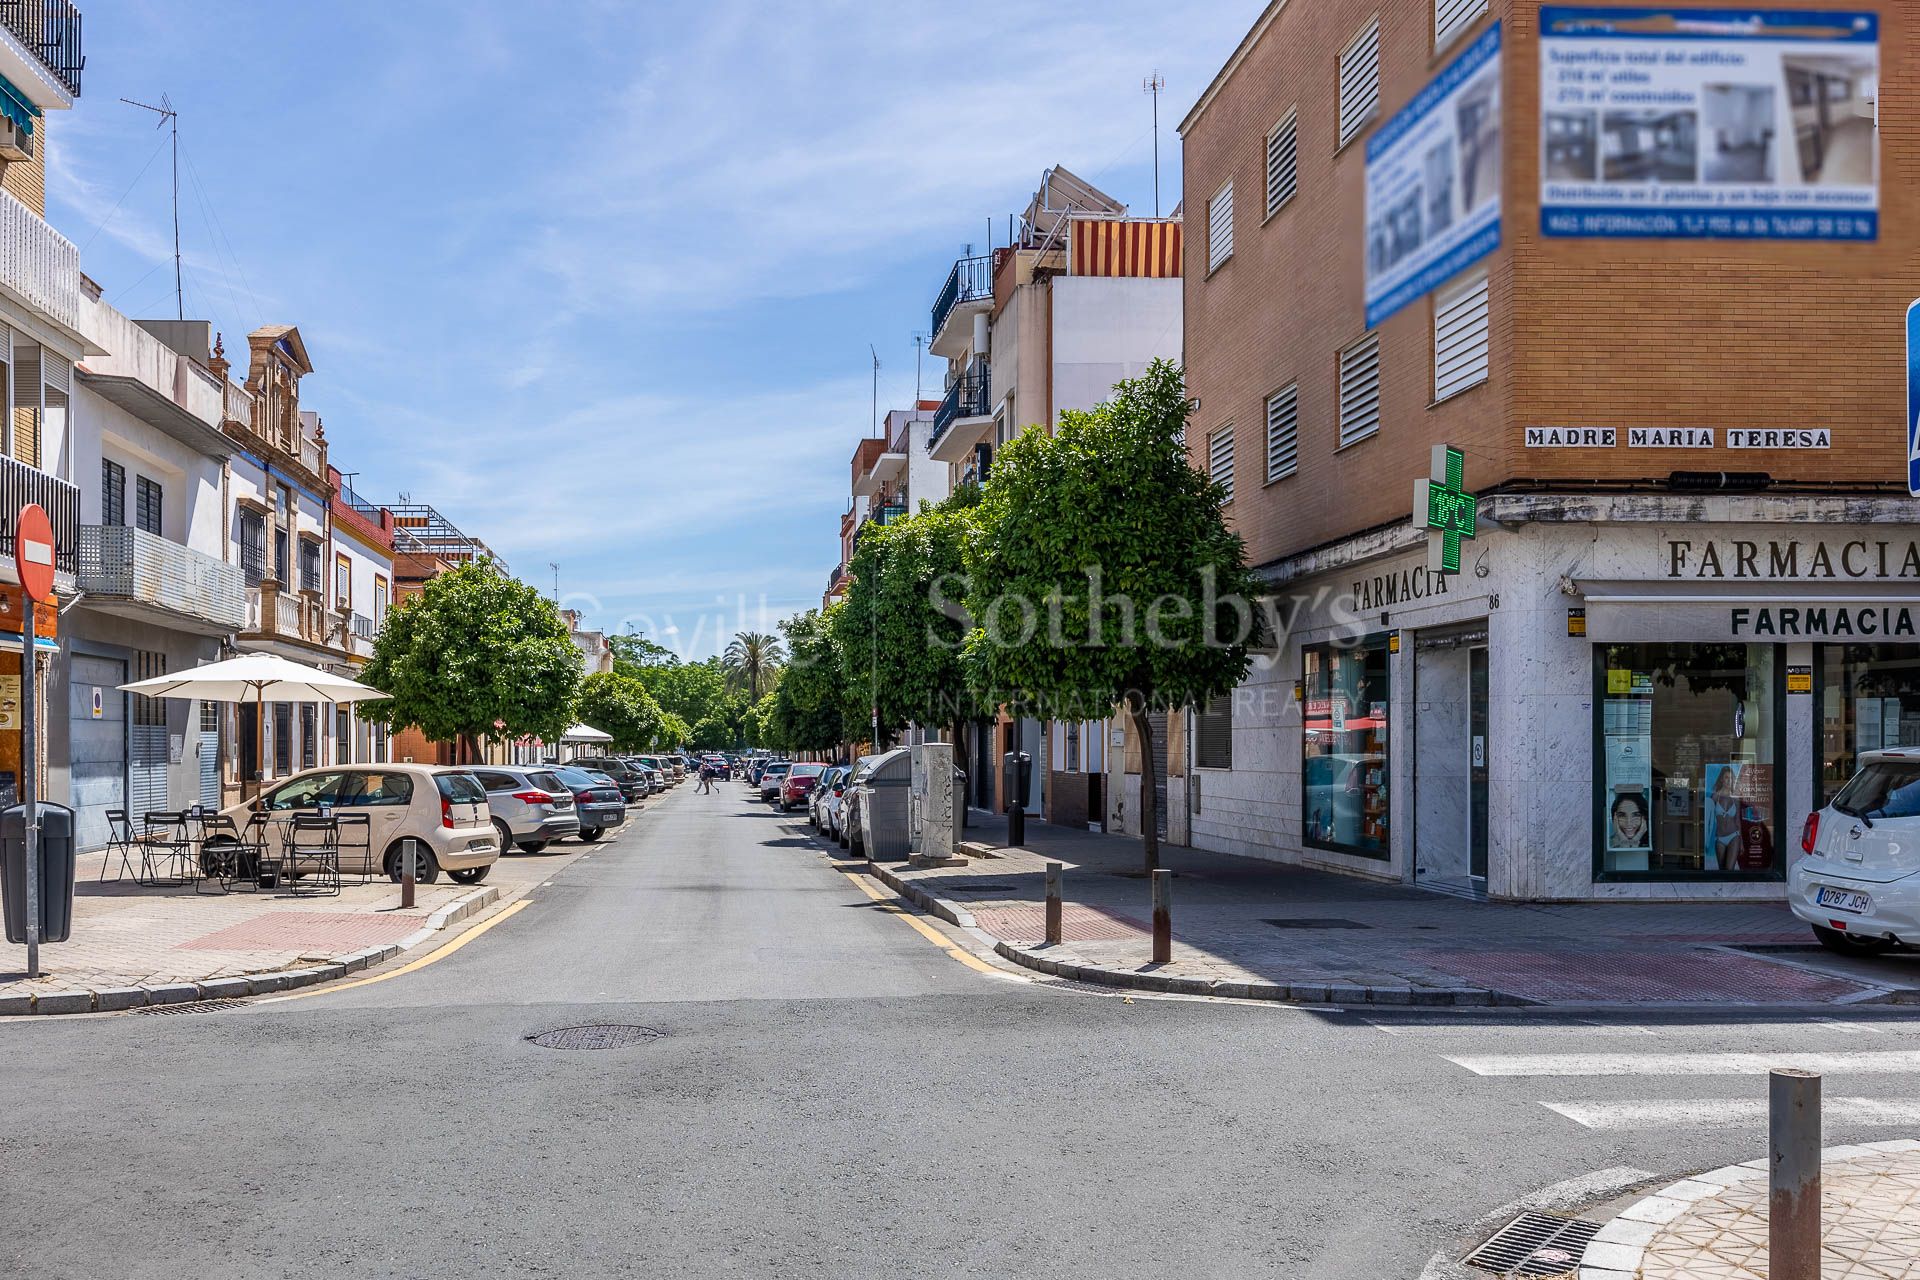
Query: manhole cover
column 1316, row 922
column 603, row 1036
column 194, row 1006
column 1535, row 1244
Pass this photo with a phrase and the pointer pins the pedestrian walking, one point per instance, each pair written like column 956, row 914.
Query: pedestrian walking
column 706, row 778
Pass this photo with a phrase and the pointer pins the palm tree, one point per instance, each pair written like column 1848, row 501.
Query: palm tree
column 751, row 659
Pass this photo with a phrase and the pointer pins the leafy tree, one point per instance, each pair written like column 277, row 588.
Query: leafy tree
column 1104, row 574
column 620, row 705
column 921, row 585
column 692, row 691
column 857, row 626
column 710, row 734
column 751, row 659
column 673, row 732
column 475, row 655
column 635, row 650
column 810, row 706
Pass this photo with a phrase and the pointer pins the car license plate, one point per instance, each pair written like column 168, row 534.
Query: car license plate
column 479, row 846
column 1843, row 900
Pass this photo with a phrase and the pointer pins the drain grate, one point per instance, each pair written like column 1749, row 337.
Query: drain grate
column 1535, row 1244
column 1315, row 922
column 194, row 1006
column 598, row 1036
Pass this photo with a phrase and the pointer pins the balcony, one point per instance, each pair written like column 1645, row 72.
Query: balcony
column 359, row 635
column 141, row 575
column 273, row 613
column 964, row 416
column 50, row 29
column 969, row 289
column 37, row 264
column 21, row 484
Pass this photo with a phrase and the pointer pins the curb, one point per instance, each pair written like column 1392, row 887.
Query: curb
column 1620, row 1247
column 114, row 999
column 1404, row 996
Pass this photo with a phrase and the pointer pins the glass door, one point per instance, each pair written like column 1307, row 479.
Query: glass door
column 1477, row 764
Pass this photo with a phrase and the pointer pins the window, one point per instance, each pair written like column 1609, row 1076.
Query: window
column 1460, row 336
column 1283, row 433
column 379, row 601
column 1220, row 459
column 342, row 582
column 1283, row 162
column 1213, row 734
column 1360, row 81
column 209, row 717
column 1344, row 794
column 1868, row 699
column 280, row 574
column 497, row 781
column 146, row 505
column 309, row 735
column 309, row 565
column 1689, row 737
column 308, row 792
column 1451, row 17
column 283, row 737
column 1220, row 227
column 113, row 492
column 1073, row 746
column 253, row 552
column 1360, row 390
column 149, row 665
column 368, row 790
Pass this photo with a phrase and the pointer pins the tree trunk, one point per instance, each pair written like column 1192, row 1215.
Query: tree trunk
column 1149, row 803
column 960, row 758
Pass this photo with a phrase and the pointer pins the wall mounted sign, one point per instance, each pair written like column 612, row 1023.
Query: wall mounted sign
column 1810, row 559
column 1576, row 622
column 1571, row 437
column 1679, row 123
column 99, row 709
column 1913, row 398
column 1443, row 507
column 1816, row 438
column 1799, row 679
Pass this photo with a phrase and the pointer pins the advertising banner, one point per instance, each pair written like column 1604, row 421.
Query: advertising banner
column 1433, row 182
column 1726, row 123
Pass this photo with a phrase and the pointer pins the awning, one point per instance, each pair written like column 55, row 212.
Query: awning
column 1757, row 611
column 585, row 733
column 15, row 107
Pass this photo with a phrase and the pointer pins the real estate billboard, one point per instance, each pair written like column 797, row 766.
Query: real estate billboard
column 1433, row 182
column 1735, row 123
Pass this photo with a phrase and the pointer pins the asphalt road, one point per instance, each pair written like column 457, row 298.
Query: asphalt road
column 831, row 1094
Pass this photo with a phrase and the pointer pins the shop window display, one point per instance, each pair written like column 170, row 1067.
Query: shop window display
column 1869, row 699
column 1345, row 766
column 1689, row 745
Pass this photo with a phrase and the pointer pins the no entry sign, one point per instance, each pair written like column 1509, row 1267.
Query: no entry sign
column 33, row 551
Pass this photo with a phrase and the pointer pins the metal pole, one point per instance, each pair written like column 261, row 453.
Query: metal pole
column 1162, row 917
column 27, row 798
column 1053, row 904
column 407, row 859
column 1793, row 1167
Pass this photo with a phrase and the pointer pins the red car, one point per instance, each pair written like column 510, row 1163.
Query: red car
column 799, row 784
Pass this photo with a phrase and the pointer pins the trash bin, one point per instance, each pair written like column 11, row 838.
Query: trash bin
column 1016, row 776
column 883, row 806
column 56, row 871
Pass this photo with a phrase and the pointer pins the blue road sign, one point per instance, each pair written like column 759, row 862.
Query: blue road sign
column 1913, row 398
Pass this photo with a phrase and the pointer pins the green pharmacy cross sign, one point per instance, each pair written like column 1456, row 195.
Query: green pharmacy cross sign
column 1443, row 507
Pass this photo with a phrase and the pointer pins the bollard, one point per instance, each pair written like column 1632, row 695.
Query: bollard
column 408, row 858
column 1793, row 1171
column 1162, row 917
column 1053, row 904
column 1016, row 825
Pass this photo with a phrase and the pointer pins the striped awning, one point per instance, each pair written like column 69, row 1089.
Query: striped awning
column 1103, row 247
column 16, row 106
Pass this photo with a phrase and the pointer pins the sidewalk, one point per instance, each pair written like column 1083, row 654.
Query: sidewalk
column 135, row 946
column 1246, row 927
column 1714, row 1226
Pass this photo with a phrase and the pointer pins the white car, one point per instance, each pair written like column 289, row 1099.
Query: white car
column 1859, row 883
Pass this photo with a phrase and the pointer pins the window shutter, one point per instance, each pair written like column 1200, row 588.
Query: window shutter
column 1283, row 433
column 113, row 492
column 1283, row 162
column 1460, row 336
column 146, row 505
column 1360, row 81
column 1213, row 734
column 1220, row 459
column 1451, row 17
column 1360, row 389
column 1220, row 227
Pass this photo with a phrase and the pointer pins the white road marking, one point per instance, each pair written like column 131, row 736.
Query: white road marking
column 1850, row 1062
column 1516, row 1028
column 1727, row 1113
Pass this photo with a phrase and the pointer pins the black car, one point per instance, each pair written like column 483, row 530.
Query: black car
column 632, row 784
column 599, row 803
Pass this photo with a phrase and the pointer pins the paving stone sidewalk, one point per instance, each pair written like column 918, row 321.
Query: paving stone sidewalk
column 1714, row 1226
column 1243, row 926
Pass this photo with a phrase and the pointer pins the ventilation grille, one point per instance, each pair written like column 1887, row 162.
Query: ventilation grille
column 1460, row 337
column 1451, row 17
column 1220, row 227
column 1220, row 459
column 1360, row 390
column 1360, row 81
column 1283, row 433
column 1283, row 162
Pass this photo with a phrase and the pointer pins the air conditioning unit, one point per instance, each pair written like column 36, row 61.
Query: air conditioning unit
column 15, row 143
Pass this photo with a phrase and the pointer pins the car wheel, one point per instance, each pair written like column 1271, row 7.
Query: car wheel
column 470, row 875
column 506, row 836
column 426, row 868
column 1848, row 944
column 589, row 834
column 531, row 846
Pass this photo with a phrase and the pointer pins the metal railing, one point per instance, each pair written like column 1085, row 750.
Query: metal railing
column 362, row 626
column 838, row 575
column 39, row 263
column 124, row 563
column 51, row 29
column 21, row 484
column 966, row 398
column 970, row 280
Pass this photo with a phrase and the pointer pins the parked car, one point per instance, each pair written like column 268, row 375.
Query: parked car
column 647, row 770
column 759, row 768
column 826, row 797
column 771, row 778
column 1859, row 883
column 849, row 814
column 596, row 799
column 798, row 785
column 438, row 813
column 632, row 785
column 531, row 807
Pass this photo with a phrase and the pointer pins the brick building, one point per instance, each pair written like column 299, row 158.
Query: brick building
column 1644, row 271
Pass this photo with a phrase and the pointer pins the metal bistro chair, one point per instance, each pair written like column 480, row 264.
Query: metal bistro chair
column 120, row 843
column 228, row 857
column 166, row 852
column 356, row 838
column 311, row 854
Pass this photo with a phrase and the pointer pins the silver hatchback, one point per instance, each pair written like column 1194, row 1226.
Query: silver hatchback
column 530, row 807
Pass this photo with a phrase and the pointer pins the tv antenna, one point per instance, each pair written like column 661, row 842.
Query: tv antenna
column 170, row 119
column 556, row 580
column 876, row 389
column 1153, row 84
column 919, row 349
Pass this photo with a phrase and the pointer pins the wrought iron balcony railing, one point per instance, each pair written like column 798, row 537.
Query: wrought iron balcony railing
column 966, row 398
column 117, row 562
column 21, row 484
column 51, row 30
column 970, row 280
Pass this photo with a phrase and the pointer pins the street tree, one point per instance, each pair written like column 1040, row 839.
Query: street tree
column 921, row 584
column 475, row 655
column 810, row 706
column 1104, row 574
column 615, row 703
column 673, row 733
column 635, row 650
column 873, row 707
column 751, row 660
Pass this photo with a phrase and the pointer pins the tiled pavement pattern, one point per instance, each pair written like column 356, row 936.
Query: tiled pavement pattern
column 1077, row 923
column 1243, row 920
column 1714, row 1227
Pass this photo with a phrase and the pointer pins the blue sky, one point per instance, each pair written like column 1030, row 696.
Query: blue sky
column 598, row 279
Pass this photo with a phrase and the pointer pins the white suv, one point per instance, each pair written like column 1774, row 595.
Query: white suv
column 1859, row 883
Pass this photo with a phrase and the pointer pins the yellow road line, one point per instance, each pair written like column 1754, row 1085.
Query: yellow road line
column 438, row 954
column 926, row 930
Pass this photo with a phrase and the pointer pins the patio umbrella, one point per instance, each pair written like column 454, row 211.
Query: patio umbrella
column 255, row 675
column 585, row 733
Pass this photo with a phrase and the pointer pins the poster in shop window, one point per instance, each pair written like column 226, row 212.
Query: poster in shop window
column 1433, row 182
column 1674, row 122
column 1738, row 817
